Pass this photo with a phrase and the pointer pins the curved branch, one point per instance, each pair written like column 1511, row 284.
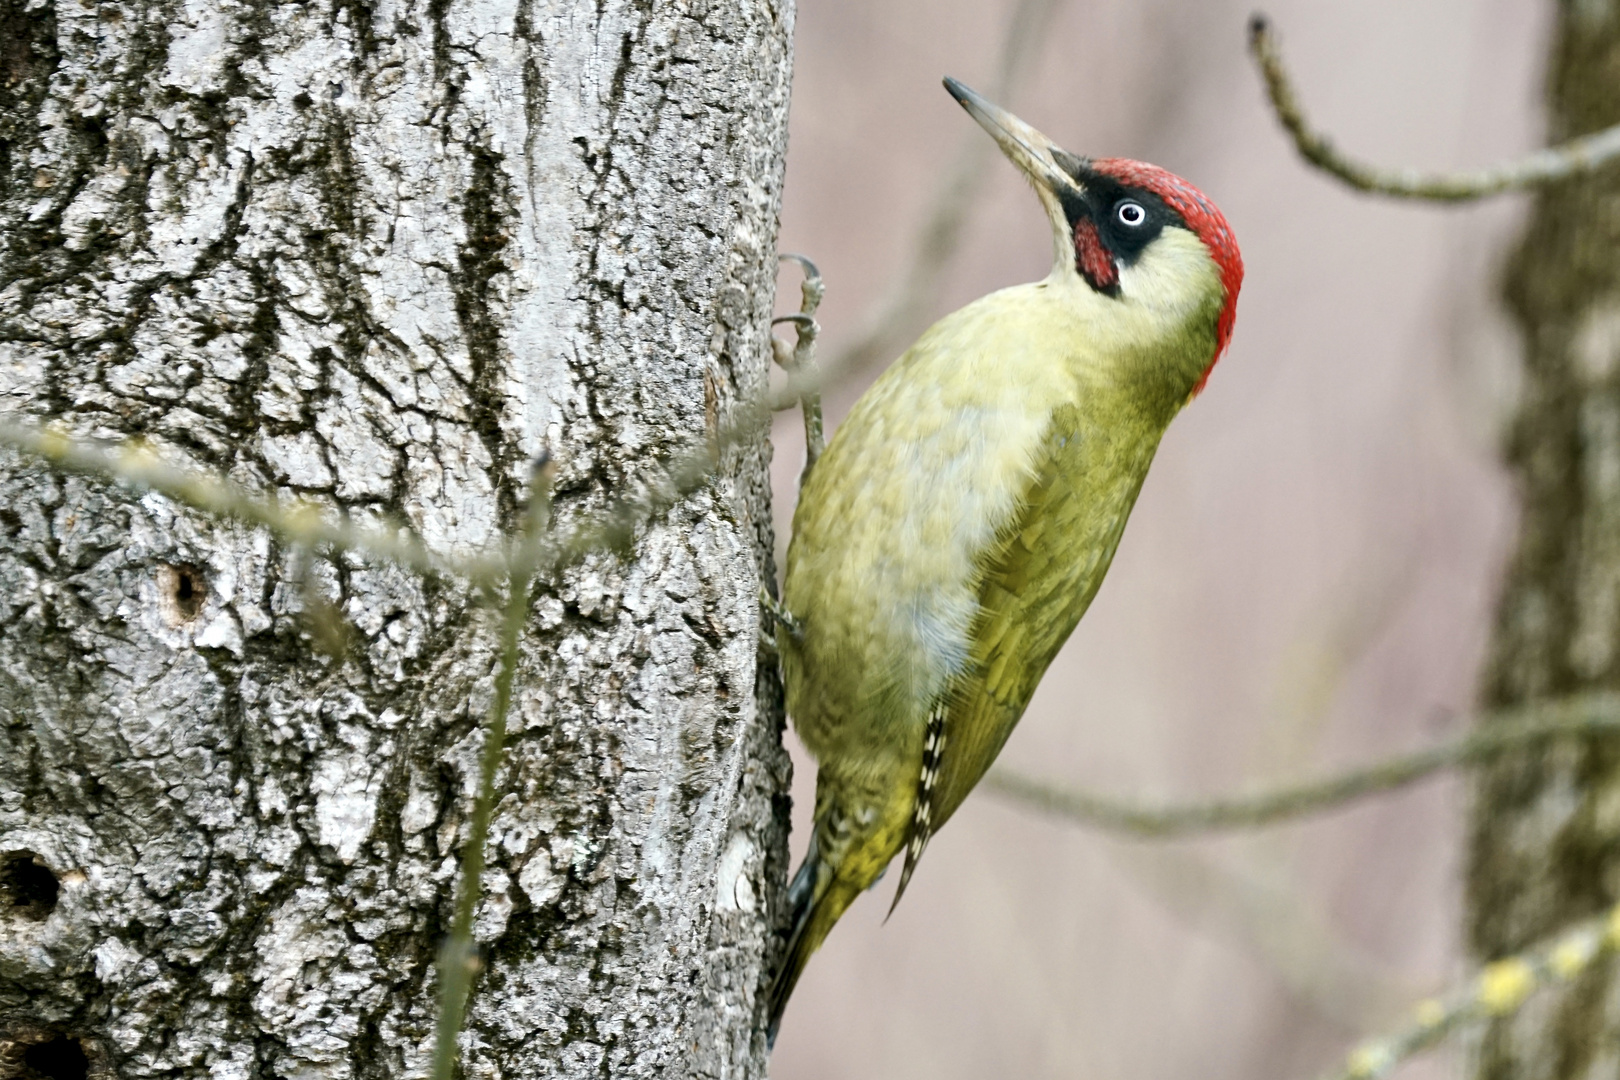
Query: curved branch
column 1588, row 715
column 1573, row 158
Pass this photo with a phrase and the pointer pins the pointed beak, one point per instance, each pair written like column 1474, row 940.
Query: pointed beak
column 1029, row 149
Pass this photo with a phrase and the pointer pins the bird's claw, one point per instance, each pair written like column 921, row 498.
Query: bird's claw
column 782, row 616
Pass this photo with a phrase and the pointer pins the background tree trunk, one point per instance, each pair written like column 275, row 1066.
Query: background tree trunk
column 1546, row 829
column 382, row 254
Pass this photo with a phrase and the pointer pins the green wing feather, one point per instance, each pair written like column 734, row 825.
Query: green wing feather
column 1037, row 582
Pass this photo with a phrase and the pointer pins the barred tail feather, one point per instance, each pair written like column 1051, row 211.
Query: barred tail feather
column 921, row 827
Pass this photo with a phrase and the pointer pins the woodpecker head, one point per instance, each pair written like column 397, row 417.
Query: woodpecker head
column 1131, row 232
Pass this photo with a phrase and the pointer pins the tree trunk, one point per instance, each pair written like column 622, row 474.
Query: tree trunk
column 382, row 255
column 1546, row 828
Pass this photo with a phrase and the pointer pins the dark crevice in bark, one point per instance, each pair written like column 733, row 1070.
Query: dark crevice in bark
column 360, row 16
column 28, row 58
column 535, row 87
column 261, row 340
column 480, row 260
column 598, row 157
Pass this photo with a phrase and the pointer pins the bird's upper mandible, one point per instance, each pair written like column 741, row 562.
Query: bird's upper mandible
column 1107, row 212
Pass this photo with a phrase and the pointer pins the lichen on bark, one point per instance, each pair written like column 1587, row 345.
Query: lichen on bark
column 381, row 255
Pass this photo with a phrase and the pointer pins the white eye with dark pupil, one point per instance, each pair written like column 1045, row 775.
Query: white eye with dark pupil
column 1130, row 213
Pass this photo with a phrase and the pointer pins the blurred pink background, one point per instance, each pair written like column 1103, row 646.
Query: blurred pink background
column 1307, row 582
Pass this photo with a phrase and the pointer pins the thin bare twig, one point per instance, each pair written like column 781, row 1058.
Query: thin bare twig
column 804, row 387
column 458, row 959
column 1577, row 156
column 801, row 359
column 1588, row 715
column 1498, row 990
column 296, row 521
column 307, row 524
column 896, row 318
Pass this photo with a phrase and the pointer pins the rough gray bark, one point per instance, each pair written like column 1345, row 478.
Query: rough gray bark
column 1546, row 831
column 382, row 254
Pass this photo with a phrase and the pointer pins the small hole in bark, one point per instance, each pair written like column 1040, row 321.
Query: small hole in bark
column 27, row 886
column 184, row 590
column 188, row 593
column 61, row 1058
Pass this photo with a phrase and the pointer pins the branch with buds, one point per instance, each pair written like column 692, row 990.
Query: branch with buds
column 1496, row 991
column 1573, row 158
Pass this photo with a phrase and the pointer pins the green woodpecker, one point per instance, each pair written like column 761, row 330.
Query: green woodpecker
column 961, row 520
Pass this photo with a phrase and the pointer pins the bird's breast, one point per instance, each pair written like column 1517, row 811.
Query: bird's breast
column 923, row 478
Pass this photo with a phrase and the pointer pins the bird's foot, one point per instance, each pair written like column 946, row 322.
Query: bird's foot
column 782, row 616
